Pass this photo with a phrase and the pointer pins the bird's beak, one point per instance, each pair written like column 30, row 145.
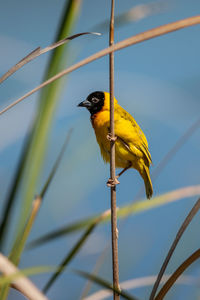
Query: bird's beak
column 85, row 103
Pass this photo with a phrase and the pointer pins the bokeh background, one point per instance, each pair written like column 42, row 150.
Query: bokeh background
column 158, row 83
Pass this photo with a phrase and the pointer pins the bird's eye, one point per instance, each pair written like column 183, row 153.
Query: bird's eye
column 95, row 100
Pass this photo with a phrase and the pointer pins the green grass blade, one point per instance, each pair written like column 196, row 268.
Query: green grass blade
column 55, row 166
column 105, row 284
column 20, row 243
column 80, row 225
column 74, row 251
column 10, row 199
column 47, row 105
column 123, row 212
column 7, row 279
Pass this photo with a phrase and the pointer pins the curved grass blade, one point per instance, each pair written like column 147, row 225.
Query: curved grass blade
column 182, row 229
column 74, row 250
column 124, row 211
column 38, row 51
column 133, row 40
column 105, row 284
column 167, row 286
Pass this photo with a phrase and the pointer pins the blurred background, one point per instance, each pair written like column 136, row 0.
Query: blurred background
column 158, row 83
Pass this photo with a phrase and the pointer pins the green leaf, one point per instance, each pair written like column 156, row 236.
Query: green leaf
column 74, row 250
column 61, row 232
column 104, row 284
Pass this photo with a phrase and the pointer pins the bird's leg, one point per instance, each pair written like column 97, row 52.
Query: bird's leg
column 114, row 182
column 110, row 138
column 124, row 170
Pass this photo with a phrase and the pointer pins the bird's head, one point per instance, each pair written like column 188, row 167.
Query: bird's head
column 94, row 102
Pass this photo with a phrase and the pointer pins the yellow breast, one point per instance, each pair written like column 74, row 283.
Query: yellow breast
column 101, row 124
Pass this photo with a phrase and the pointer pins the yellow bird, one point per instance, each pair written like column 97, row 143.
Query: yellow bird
column 131, row 147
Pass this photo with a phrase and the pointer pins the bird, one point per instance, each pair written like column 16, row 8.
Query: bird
column 131, row 146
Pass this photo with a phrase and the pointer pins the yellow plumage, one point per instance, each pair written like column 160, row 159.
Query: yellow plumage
column 131, row 147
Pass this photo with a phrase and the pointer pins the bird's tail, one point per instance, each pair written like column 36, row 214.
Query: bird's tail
column 147, row 181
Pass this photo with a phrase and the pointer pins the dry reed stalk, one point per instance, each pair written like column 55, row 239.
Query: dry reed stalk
column 115, row 264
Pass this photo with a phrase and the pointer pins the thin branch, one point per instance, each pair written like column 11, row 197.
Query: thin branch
column 182, row 229
column 38, row 51
column 23, row 284
column 114, row 230
column 141, row 37
column 191, row 259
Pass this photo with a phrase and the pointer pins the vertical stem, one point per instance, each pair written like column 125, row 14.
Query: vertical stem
column 114, row 230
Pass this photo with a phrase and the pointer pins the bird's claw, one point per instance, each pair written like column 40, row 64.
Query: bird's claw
column 110, row 138
column 112, row 182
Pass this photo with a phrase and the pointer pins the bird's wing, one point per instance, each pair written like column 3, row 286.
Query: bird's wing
column 129, row 132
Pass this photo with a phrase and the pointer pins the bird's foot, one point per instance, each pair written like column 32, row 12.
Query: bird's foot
column 110, row 138
column 112, row 182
